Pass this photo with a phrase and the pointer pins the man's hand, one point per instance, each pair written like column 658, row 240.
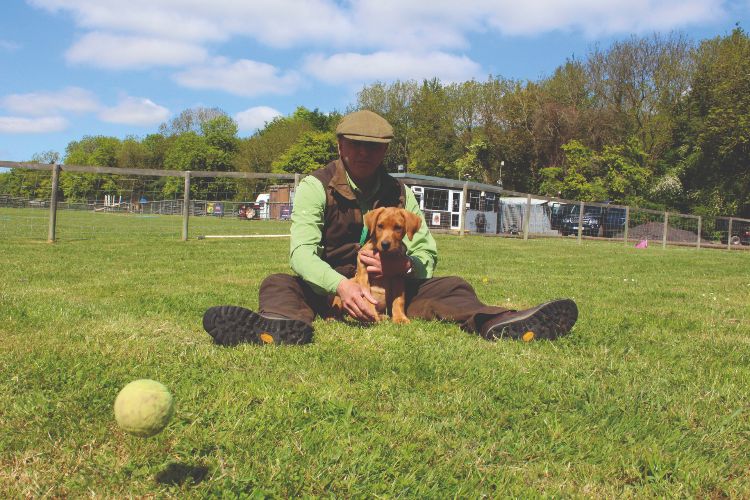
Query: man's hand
column 393, row 266
column 357, row 301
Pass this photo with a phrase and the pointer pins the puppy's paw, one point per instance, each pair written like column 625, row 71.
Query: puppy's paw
column 402, row 321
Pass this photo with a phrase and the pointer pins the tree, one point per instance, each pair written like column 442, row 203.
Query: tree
column 190, row 120
column 431, row 136
column 624, row 172
column 641, row 80
column 30, row 184
column 312, row 151
column 715, row 131
column 99, row 151
column 221, row 133
column 258, row 152
column 616, row 174
column 394, row 103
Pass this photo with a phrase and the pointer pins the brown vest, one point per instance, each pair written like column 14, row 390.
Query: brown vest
column 342, row 226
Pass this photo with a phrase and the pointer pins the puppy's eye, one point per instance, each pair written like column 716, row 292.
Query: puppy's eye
column 380, row 226
column 397, row 227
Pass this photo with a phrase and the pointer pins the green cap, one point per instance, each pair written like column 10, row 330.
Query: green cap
column 365, row 126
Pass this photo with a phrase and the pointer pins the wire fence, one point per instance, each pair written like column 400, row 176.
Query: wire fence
column 76, row 202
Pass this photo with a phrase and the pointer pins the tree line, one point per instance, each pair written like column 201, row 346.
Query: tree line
column 657, row 121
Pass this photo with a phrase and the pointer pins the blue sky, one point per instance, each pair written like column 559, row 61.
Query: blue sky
column 70, row 68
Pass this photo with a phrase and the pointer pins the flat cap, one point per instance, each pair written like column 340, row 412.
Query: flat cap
column 365, row 126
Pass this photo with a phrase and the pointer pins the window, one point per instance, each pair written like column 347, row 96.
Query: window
column 436, row 199
column 474, row 200
column 490, row 202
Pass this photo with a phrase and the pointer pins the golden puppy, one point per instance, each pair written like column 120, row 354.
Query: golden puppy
column 387, row 227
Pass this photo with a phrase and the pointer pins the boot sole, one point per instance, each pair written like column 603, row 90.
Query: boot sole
column 232, row 325
column 547, row 321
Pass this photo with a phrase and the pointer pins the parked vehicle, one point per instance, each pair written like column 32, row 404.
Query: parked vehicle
column 604, row 221
column 739, row 237
column 557, row 212
column 256, row 210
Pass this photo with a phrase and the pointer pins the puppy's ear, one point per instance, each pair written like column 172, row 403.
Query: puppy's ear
column 413, row 223
column 371, row 218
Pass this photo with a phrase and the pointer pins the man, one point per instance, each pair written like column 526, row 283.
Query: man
column 326, row 236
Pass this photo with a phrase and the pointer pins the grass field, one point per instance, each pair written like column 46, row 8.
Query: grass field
column 649, row 396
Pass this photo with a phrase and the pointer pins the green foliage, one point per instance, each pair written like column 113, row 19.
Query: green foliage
column 716, row 128
column 259, row 152
column 312, row 151
column 393, row 101
column 472, row 165
column 97, row 150
column 221, row 133
column 30, row 184
column 616, row 174
column 431, row 135
column 625, row 175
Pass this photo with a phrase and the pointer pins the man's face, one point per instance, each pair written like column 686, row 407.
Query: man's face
column 361, row 158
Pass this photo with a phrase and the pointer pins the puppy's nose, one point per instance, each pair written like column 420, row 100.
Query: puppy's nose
column 385, row 244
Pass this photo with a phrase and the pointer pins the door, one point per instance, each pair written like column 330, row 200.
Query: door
column 454, row 204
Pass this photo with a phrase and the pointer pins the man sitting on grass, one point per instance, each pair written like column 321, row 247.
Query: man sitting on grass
column 326, row 234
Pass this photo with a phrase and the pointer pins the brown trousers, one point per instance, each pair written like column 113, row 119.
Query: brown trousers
column 450, row 298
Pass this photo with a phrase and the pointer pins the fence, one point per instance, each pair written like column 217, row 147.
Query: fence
column 37, row 199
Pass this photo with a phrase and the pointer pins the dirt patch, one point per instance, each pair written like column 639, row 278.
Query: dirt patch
column 654, row 231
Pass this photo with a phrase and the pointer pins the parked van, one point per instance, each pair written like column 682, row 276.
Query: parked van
column 262, row 208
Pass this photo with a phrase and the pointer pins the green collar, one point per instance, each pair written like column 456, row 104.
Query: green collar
column 363, row 238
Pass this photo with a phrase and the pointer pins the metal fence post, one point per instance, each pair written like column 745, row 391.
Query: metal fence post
column 580, row 222
column 526, row 217
column 53, row 203
column 186, row 206
column 464, row 197
column 627, row 225
column 664, row 230
column 700, row 224
column 729, row 234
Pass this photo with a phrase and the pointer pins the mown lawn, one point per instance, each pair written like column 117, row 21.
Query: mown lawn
column 649, row 396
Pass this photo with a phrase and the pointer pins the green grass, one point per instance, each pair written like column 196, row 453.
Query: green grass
column 649, row 396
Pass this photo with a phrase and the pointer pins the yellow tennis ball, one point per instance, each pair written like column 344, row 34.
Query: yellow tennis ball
column 143, row 407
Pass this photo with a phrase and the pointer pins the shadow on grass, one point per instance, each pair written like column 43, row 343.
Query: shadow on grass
column 178, row 473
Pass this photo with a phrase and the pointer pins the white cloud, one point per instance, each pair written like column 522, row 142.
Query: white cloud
column 73, row 99
column 19, row 125
column 120, row 52
column 242, row 77
column 254, row 118
column 596, row 18
column 135, row 111
column 378, row 24
column 362, row 68
column 274, row 22
column 9, row 46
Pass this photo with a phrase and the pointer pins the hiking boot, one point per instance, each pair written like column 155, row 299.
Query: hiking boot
column 546, row 321
column 232, row 325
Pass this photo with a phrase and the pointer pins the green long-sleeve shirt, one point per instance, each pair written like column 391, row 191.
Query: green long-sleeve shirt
column 306, row 250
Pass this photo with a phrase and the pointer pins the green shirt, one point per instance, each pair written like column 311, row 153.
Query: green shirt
column 305, row 252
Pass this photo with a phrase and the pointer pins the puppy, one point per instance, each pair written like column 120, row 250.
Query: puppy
column 387, row 227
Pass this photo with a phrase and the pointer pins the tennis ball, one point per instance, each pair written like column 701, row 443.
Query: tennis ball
column 143, row 407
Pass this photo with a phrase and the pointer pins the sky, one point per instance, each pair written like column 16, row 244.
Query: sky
column 71, row 68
